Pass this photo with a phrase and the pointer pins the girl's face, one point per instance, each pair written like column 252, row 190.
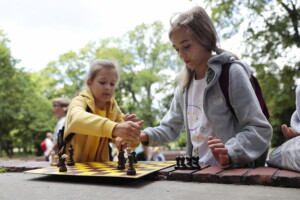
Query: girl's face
column 189, row 49
column 103, row 86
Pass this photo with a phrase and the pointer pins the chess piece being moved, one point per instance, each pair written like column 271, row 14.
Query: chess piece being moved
column 71, row 160
column 121, row 160
column 62, row 162
column 131, row 170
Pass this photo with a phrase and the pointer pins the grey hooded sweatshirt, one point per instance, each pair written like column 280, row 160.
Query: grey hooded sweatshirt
column 246, row 135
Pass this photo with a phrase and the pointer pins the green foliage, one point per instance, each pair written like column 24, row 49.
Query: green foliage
column 271, row 34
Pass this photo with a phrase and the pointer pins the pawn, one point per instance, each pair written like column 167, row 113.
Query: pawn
column 131, row 170
column 62, row 162
column 182, row 165
column 196, row 162
column 177, row 162
column 71, row 160
column 189, row 162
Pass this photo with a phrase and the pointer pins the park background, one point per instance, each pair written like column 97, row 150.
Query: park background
column 264, row 33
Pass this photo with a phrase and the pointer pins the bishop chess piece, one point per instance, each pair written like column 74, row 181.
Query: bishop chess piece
column 121, row 160
column 196, row 162
column 62, row 162
column 131, row 170
column 177, row 162
column 189, row 162
column 71, row 160
column 182, row 166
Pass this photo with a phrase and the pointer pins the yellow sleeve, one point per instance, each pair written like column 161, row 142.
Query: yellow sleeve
column 81, row 122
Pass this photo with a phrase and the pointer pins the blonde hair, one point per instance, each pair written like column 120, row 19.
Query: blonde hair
column 197, row 22
column 99, row 64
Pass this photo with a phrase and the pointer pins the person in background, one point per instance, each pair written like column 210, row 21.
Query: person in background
column 49, row 146
column 59, row 110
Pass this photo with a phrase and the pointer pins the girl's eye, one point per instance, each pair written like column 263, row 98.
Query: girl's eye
column 187, row 46
column 102, row 83
column 112, row 84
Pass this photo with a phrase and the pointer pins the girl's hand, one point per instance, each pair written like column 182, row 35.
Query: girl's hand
column 120, row 143
column 219, row 151
column 131, row 117
column 128, row 130
column 288, row 132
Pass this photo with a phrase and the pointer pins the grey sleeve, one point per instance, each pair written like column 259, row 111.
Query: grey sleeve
column 171, row 124
column 256, row 132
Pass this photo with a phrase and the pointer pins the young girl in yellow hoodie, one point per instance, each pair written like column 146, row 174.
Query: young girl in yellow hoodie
column 104, row 121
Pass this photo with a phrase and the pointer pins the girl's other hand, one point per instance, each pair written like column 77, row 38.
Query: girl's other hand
column 219, row 151
column 288, row 132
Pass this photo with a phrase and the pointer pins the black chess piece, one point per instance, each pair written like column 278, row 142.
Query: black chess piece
column 181, row 163
column 71, row 160
column 196, row 162
column 121, row 160
column 131, row 170
column 59, row 157
column 189, row 162
column 134, row 157
column 62, row 161
column 177, row 162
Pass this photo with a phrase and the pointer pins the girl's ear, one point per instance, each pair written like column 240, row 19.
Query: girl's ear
column 89, row 83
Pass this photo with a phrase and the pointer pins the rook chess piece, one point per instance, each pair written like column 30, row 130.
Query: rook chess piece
column 181, row 163
column 131, row 170
column 196, row 162
column 189, row 162
column 177, row 162
column 71, row 160
column 62, row 162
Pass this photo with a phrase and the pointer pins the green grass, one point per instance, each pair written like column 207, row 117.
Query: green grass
column 2, row 170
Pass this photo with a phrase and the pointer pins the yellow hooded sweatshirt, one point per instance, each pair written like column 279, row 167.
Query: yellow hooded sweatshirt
column 92, row 129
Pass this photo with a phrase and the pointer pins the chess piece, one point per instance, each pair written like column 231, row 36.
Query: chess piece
column 59, row 158
column 71, row 160
column 62, row 162
column 196, row 162
column 51, row 158
column 177, row 162
column 131, row 170
column 189, row 162
column 182, row 166
column 121, row 160
column 134, row 157
column 55, row 160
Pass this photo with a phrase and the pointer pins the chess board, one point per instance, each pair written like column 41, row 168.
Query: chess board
column 105, row 169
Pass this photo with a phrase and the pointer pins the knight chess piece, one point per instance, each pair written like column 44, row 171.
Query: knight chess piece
column 62, row 162
column 71, row 160
column 131, row 170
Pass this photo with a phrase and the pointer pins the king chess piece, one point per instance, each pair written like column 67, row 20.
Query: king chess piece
column 134, row 157
column 121, row 160
column 59, row 154
column 131, row 170
column 62, row 162
column 71, row 160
